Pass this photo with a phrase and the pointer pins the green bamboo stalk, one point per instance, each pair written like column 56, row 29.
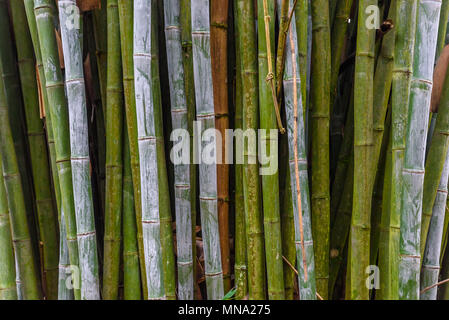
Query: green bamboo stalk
column 126, row 39
column 79, row 146
column 168, row 250
column 147, row 148
column 23, row 249
column 253, row 215
column 57, row 105
column 114, row 156
column 413, row 170
column 269, row 145
column 363, row 150
column 431, row 257
column 283, row 16
column 39, row 160
column 8, row 290
column 442, row 28
column 402, row 69
column 131, row 272
column 208, row 172
column 302, row 19
column 435, row 161
column 301, row 209
column 443, row 290
column 16, row 112
column 100, row 32
column 182, row 170
column 339, row 29
column 320, row 96
column 241, row 263
column 186, row 38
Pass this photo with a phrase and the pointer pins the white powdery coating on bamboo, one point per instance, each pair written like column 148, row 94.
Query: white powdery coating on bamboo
column 307, row 289
column 182, row 171
column 64, row 292
column 202, row 70
column 79, row 146
column 147, row 149
column 431, row 260
column 413, row 171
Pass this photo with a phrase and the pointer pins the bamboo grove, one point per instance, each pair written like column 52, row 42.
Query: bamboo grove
column 224, row 149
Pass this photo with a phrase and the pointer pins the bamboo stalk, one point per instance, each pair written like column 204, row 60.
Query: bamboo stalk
column 431, row 257
column 79, row 157
column 413, row 170
column 400, row 95
column 219, row 10
column 320, row 143
column 60, row 119
column 100, row 32
column 283, row 17
column 208, row 174
column 131, row 272
column 126, row 39
column 114, row 156
column 268, row 145
column 8, row 290
column 182, row 171
column 298, row 170
column 47, row 218
column 241, row 263
column 186, row 38
column 147, row 149
column 23, row 248
column 168, row 251
column 442, row 28
column 253, row 215
column 363, row 150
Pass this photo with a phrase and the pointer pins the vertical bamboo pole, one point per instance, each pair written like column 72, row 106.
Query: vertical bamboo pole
column 301, row 20
column 126, row 39
column 219, row 10
column 298, row 170
column 428, row 14
column 79, row 146
column 246, row 16
column 269, row 145
column 320, row 96
column 208, row 174
column 8, row 290
column 57, row 103
column 182, row 170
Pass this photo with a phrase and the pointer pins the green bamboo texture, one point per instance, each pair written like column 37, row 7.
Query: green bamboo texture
column 207, row 168
column 241, row 263
column 301, row 20
column 442, row 28
column 8, row 290
column 168, row 251
column 100, row 31
column 46, row 212
column 186, row 38
column 64, row 293
column 435, row 161
column 320, row 95
column 126, row 38
column 402, row 70
column 146, row 127
column 182, row 163
column 17, row 117
column 253, row 215
column 431, row 257
column 413, row 170
column 79, row 145
column 23, row 249
column 283, row 18
column 57, row 104
column 269, row 146
column 307, row 285
column 363, row 150
column 114, row 156
column 131, row 272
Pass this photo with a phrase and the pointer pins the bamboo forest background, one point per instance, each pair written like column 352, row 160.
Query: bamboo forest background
column 349, row 100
